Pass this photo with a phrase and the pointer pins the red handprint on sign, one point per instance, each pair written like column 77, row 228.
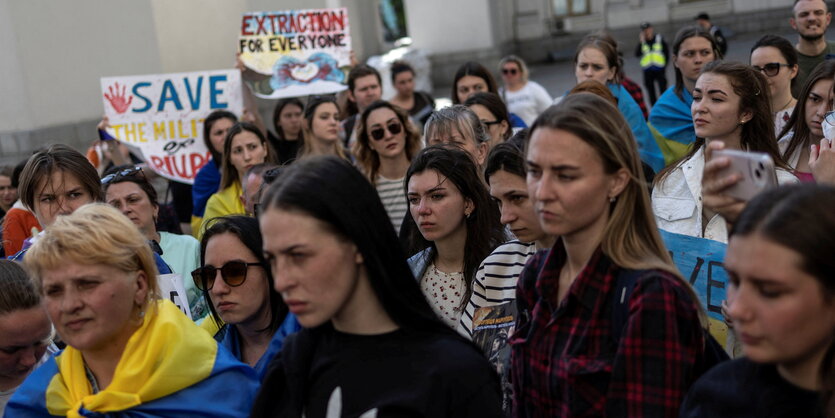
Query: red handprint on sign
column 117, row 98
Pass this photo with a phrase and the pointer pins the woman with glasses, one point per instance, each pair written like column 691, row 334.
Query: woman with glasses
column 386, row 143
column 670, row 118
column 492, row 112
column 247, row 317
column 129, row 352
column 776, row 58
column 245, row 146
column 805, row 128
column 371, row 345
column 526, row 98
column 127, row 189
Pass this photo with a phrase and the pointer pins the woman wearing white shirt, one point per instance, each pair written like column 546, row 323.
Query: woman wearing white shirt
column 730, row 110
column 525, row 98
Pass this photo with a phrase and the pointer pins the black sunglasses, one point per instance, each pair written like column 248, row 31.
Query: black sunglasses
column 509, row 71
column 491, row 123
column 233, row 274
column 128, row 172
column 771, row 69
column 379, row 132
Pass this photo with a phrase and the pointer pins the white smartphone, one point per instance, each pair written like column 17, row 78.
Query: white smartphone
column 757, row 171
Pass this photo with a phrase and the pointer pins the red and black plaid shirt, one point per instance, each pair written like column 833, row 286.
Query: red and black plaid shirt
column 637, row 94
column 565, row 362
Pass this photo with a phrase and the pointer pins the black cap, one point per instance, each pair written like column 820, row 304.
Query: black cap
column 702, row 15
column 645, row 25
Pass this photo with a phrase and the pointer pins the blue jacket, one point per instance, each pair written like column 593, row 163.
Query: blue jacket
column 228, row 337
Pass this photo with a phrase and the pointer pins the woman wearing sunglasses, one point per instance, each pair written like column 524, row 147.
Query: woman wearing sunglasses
column 247, row 317
column 492, row 112
column 805, row 127
column 776, row 58
column 526, row 98
column 371, row 345
column 386, row 143
column 129, row 352
column 127, row 189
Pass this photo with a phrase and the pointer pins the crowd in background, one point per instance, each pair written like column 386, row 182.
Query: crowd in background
column 502, row 256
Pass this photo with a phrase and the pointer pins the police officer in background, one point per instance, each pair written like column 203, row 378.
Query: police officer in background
column 654, row 53
column 703, row 20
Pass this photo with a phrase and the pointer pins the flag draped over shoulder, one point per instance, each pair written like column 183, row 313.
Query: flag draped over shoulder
column 671, row 123
column 170, row 367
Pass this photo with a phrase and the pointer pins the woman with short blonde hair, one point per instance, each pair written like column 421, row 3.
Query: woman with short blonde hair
column 129, row 351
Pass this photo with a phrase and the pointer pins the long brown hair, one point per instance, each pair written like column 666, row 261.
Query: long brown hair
column 630, row 237
column 758, row 133
column 368, row 161
column 797, row 122
column 683, row 35
column 229, row 174
column 607, row 46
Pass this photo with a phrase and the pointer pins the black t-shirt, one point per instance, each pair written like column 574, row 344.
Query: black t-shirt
column 742, row 388
column 286, row 149
column 400, row 374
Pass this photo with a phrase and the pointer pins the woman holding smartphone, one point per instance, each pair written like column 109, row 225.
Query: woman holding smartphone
column 730, row 111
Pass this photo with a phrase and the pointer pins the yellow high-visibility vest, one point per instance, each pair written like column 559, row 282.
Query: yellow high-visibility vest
column 653, row 56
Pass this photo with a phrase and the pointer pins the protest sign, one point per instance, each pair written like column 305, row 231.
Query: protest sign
column 304, row 51
column 700, row 262
column 171, row 288
column 163, row 115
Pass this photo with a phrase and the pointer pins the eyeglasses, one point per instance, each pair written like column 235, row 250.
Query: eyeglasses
column 378, row 133
column 491, row 123
column 128, row 172
column 233, row 274
column 511, row 71
column 771, row 69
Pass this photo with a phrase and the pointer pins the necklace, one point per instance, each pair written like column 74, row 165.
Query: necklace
column 791, row 99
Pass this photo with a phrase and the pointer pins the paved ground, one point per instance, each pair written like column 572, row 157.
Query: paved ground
column 558, row 77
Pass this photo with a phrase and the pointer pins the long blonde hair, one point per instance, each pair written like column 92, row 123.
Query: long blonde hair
column 630, row 237
column 309, row 113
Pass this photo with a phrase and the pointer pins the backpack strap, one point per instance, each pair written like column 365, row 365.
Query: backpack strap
column 624, row 285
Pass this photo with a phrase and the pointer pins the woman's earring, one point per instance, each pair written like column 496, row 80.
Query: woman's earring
column 613, row 199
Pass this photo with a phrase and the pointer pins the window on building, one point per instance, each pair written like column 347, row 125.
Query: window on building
column 393, row 16
column 570, row 7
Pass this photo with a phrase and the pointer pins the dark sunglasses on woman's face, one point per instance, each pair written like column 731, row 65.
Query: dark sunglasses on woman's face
column 511, row 71
column 771, row 69
column 233, row 274
column 128, row 172
column 379, row 132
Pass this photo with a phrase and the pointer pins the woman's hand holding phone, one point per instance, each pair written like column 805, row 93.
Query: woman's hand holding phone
column 716, row 182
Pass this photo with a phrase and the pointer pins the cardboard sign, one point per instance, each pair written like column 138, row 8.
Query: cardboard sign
column 163, row 115
column 171, row 288
column 700, row 262
column 304, row 51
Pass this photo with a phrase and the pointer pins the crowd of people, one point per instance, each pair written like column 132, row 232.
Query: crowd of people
column 502, row 256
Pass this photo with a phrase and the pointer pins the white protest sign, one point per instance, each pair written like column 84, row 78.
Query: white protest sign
column 304, row 51
column 163, row 115
column 171, row 288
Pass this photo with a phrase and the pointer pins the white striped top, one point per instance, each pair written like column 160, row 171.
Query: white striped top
column 394, row 199
column 495, row 279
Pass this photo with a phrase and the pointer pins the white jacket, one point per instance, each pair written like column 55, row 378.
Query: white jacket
column 677, row 201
